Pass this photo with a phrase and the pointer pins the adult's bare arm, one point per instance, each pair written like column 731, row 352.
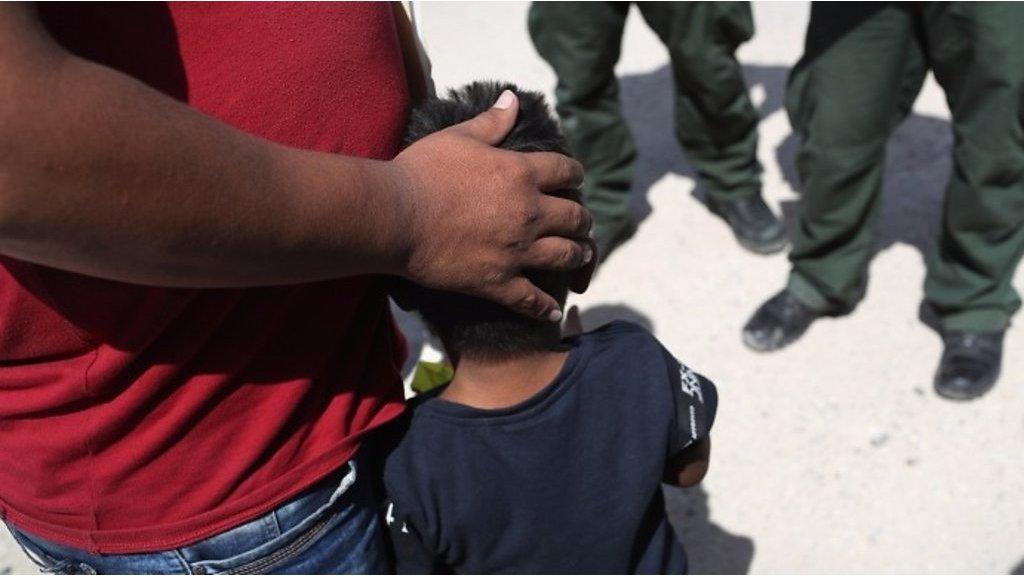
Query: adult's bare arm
column 102, row 175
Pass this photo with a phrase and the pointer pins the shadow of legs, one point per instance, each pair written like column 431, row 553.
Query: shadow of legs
column 647, row 104
column 709, row 548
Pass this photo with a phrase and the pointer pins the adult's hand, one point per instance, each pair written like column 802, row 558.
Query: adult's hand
column 479, row 215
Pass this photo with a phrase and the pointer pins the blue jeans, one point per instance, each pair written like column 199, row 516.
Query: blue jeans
column 332, row 528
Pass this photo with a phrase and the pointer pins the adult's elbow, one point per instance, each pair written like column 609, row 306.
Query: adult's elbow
column 8, row 197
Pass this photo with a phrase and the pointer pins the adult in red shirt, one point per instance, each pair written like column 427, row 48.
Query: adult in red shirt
column 193, row 201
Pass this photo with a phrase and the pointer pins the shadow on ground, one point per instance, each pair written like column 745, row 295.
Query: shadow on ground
column 597, row 316
column 647, row 104
column 709, row 548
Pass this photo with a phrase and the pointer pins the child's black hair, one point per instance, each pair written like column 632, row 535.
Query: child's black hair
column 469, row 326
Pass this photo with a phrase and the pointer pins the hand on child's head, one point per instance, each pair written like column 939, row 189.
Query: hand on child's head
column 480, row 214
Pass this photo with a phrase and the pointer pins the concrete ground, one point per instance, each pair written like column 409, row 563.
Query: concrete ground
column 831, row 456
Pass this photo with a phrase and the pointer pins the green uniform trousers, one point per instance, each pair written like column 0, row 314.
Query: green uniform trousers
column 715, row 121
column 862, row 69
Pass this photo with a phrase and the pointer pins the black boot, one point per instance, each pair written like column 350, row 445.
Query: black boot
column 753, row 223
column 778, row 322
column 970, row 364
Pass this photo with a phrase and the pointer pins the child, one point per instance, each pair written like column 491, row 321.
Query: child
column 543, row 454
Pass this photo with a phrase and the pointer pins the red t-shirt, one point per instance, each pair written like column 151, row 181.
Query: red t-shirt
column 136, row 419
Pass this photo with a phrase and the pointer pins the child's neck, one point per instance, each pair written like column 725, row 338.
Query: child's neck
column 493, row 384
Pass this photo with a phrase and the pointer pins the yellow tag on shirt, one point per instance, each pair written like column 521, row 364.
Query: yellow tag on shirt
column 430, row 375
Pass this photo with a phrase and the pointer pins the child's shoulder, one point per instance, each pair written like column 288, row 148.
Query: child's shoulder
column 620, row 335
column 622, row 354
column 626, row 349
column 621, row 329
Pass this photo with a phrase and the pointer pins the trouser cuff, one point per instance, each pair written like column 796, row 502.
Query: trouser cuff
column 727, row 195
column 806, row 293
column 986, row 320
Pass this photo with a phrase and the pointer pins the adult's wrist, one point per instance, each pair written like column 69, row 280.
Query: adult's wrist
column 392, row 191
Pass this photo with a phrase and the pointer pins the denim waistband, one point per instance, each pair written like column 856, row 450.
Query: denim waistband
column 283, row 519
column 238, row 544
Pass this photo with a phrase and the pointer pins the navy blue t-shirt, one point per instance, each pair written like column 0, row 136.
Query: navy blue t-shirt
column 568, row 481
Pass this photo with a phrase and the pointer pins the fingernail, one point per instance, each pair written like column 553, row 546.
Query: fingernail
column 588, row 254
column 505, row 100
column 555, row 315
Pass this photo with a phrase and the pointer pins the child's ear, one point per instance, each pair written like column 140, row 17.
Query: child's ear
column 572, row 326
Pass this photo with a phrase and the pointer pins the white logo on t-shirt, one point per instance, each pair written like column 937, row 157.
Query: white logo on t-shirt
column 690, row 384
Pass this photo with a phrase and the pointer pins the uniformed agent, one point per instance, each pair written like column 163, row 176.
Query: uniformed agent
column 715, row 121
column 862, row 69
